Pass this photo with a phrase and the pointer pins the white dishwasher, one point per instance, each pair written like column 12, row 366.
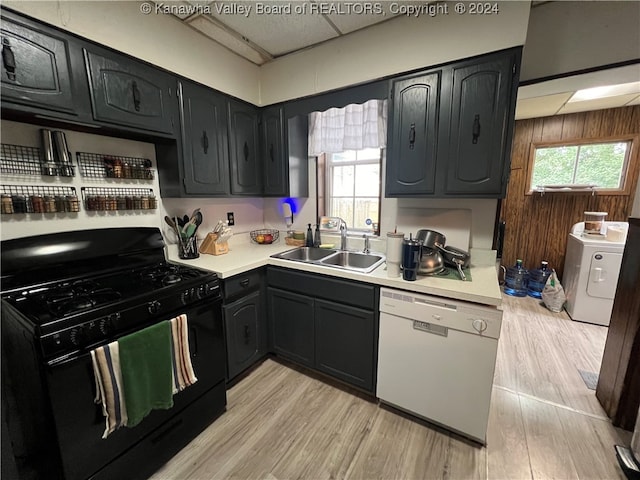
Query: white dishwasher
column 436, row 359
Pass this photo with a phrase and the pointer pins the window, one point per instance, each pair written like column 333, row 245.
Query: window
column 352, row 182
column 583, row 165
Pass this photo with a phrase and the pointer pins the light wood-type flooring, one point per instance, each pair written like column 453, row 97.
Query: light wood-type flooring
column 284, row 423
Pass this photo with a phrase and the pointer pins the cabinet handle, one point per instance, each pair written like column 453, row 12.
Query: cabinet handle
column 136, row 96
column 412, row 136
column 8, row 59
column 247, row 334
column 271, row 156
column 244, row 282
column 205, row 142
column 476, row 129
column 246, row 151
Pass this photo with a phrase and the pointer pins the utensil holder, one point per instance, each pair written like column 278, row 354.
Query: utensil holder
column 211, row 247
column 188, row 249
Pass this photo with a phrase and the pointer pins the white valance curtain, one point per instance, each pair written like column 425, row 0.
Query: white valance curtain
column 353, row 127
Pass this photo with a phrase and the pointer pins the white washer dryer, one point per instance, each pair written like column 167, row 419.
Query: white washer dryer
column 591, row 269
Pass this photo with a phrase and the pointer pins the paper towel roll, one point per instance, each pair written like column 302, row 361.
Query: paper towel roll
column 394, row 247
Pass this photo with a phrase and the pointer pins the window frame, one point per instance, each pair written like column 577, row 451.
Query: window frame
column 624, row 189
column 328, row 178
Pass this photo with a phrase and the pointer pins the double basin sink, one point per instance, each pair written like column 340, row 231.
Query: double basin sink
column 346, row 260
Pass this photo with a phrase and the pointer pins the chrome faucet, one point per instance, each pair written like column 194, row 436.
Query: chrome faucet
column 343, row 235
column 366, row 249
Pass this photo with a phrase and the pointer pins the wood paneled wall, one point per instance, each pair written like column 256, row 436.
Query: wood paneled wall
column 537, row 226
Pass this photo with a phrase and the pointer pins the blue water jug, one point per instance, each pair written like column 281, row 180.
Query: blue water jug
column 515, row 280
column 538, row 279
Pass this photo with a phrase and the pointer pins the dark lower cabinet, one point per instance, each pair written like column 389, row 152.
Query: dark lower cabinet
column 245, row 335
column 35, row 66
column 325, row 323
column 292, row 325
column 130, row 93
column 245, row 321
column 343, row 342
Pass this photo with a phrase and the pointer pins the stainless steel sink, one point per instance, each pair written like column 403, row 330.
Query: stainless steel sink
column 306, row 254
column 354, row 261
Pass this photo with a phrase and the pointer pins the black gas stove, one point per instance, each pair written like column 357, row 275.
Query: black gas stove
column 62, row 296
column 83, row 306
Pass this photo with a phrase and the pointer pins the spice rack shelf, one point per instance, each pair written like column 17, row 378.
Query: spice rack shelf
column 38, row 199
column 96, row 165
column 115, row 198
column 22, row 160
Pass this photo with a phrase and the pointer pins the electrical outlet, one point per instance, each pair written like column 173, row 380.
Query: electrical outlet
column 231, row 219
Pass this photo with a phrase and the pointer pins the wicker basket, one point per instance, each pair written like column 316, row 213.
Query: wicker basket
column 294, row 242
column 266, row 231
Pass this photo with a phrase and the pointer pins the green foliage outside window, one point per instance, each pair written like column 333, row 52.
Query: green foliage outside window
column 600, row 164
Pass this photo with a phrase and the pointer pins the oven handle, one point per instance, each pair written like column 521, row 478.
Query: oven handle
column 68, row 358
column 193, row 341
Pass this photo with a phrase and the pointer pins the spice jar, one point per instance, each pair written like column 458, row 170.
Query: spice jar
column 126, row 170
column 60, row 203
column 144, row 202
column 101, row 202
column 37, row 202
column 7, row 204
column 153, row 202
column 137, row 202
column 117, row 168
column 19, row 204
column 72, row 203
column 121, row 203
column 129, row 202
column 49, row 204
column 111, row 203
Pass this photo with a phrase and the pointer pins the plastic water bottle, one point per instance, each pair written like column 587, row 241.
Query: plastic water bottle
column 515, row 281
column 538, row 279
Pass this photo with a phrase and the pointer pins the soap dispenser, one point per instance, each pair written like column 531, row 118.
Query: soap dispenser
column 309, row 236
column 316, row 238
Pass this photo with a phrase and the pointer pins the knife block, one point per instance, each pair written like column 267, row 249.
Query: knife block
column 211, row 247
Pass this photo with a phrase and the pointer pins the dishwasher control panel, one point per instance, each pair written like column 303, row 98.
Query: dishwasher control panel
column 437, row 314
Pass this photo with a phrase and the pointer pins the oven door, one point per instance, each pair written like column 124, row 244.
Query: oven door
column 79, row 422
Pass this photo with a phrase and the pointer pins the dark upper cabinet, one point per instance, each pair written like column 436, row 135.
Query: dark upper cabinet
column 345, row 339
column 292, row 332
column 413, row 135
column 244, row 157
column 450, row 130
column 478, row 130
column 35, row 66
column 203, row 115
column 129, row 93
column 273, row 152
column 245, row 333
column 284, row 153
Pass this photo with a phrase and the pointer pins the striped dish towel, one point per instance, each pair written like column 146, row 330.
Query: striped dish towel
column 183, row 374
column 109, row 390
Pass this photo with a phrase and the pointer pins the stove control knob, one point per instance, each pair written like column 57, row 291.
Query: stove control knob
column 106, row 324
column 78, row 336
column 154, row 307
column 184, row 297
column 480, row 325
column 201, row 292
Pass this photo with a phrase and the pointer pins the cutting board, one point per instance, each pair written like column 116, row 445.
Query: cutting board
column 455, row 224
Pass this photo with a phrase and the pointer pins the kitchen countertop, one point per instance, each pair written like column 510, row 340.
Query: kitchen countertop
column 241, row 258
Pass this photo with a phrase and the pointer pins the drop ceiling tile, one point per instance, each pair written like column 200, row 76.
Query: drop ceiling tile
column 278, row 32
column 351, row 16
column 597, row 104
column 208, row 27
column 541, row 106
column 635, row 101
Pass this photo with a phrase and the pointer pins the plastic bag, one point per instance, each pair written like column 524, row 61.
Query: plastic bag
column 553, row 294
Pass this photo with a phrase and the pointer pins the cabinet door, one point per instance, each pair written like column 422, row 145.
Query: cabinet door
column 246, row 171
column 35, row 68
column 292, row 322
column 274, row 161
column 479, row 126
column 129, row 93
column 413, row 136
column 204, row 141
column 345, row 343
column 245, row 333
